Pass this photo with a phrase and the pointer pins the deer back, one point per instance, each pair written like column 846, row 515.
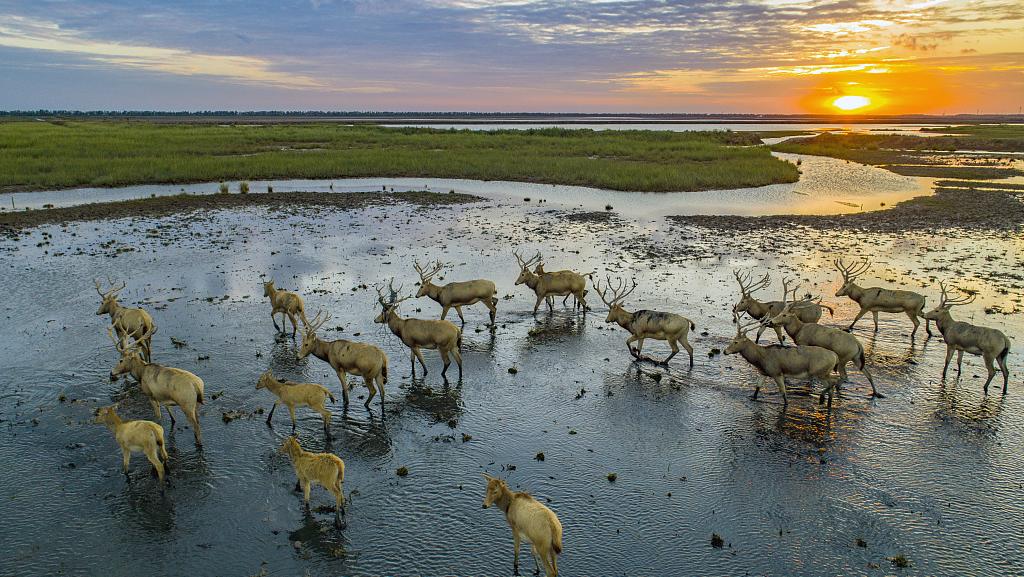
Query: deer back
column 655, row 323
column 466, row 292
column 170, row 384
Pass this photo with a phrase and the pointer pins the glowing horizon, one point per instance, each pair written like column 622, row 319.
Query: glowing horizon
column 752, row 56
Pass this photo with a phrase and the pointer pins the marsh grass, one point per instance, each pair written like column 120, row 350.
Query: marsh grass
column 37, row 156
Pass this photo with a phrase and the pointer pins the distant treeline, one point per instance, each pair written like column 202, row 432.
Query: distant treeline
column 499, row 116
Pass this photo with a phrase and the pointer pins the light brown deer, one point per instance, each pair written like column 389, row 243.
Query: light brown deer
column 846, row 346
column 456, row 294
column 991, row 344
column 644, row 324
column 291, row 395
column 146, row 437
column 126, row 321
column 420, row 333
column 808, row 311
column 347, row 358
column 163, row 385
column 324, row 469
column 287, row 303
column 779, row 362
column 561, row 283
column 875, row 300
column 529, row 519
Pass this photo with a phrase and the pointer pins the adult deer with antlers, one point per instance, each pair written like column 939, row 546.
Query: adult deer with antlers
column 808, row 311
column 126, row 321
column 644, row 324
column 561, row 283
column 347, row 358
column 846, row 346
column 779, row 362
column 456, row 294
column 287, row 303
column 991, row 344
column 876, row 300
column 419, row 333
column 163, row 385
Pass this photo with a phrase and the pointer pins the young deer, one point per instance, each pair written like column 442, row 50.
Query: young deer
column 846, row 346
column 325, row 469
column 645, row 324
column 807, row 311
column 875, row 300
column 562, row 283
column 456, row 294
column 779, row 362
column 991, row 344
column 529, row 519
column 163, row 385
column 126, row 321
column 136, row 436
column 291, row 394
column 419, row 333
column 347, row 358
column 287, row 303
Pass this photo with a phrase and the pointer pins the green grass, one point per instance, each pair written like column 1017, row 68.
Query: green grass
column 982, row 130
column 41, row 155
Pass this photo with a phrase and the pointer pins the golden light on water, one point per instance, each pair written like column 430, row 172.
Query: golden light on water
column 850, row 102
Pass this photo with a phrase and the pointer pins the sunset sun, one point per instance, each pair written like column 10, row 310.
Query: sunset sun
column 851, row 103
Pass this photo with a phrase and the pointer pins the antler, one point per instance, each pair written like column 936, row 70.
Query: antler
column 747, row 286
column 854, row 270
column 428, row 273
column 392, row 300
column 527, row 263
column 619, row 293
column 118, row 343
column 742, row 329
column 318, row 322
column 111, row 290
column 945, row 301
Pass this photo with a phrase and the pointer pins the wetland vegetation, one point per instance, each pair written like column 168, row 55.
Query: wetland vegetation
column 64, row 154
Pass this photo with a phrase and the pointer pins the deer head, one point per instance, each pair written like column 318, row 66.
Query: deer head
column 495, row 489
column 524, row 266
column 268, row 288
column 389, row 301
column 309, row 337
column 131, row 355
column 426, row 275
column 747, row 288
column 741, row 339
column 108, row 297
column 850, row 274
column 946, row 303
column 618, row 294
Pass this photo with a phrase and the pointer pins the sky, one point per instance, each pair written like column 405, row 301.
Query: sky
column 739, row 56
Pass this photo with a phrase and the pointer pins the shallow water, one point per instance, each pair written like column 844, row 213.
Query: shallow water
column 909, row 129
column 934, row 471
column 826, row 186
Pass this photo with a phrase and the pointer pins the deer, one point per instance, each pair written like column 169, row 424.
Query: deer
column 135, row 436
column 347, row 358
column 456, row 294
column 420, row 333
column 290, row 394
column 324, row 469
column 991, row 344
column 644, row 324
column 779, row 362
column 562, row 283
column 846, row 346
column 287, row 303
column 126, row 321
column 531, row 520
column 808, row 311
column 539, row 270
column 876, row 300
column 163, row 385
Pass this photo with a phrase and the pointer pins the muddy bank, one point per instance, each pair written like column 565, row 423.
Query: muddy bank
column 13, row 222
column 948, row 208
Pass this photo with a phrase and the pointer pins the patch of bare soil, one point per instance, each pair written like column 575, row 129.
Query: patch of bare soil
column 948, row 208
column 13, row 222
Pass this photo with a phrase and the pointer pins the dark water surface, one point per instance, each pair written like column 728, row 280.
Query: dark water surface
column 933, row 472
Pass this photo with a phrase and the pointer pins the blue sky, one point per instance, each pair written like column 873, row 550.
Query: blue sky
column 516, row 55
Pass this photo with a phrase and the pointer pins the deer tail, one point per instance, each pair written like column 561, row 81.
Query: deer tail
column 302, row 315
column 330, row 395
column 199, row 397
column 693, row 327
column 384, row 370
column 831, row 311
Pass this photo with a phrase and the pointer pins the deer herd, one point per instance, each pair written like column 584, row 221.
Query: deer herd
column 819, row 353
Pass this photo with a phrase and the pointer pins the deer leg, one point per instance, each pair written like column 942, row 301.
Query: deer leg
column 959, row 361
column 1005, row 370
column 295, row 325
column 291, row 411
column 157, row 465
column 156, row 410
column 273, row 319
column 917, row 323
column 537, row 304
column 380, row 387
column 689, row 349
column 327, row 420
column 871, row 381
column 272, row 409
column 305, row 491
column 126, row 457
column 675, row 351
column 949, row 355
column 781, row 381
column 515, row 558
column 841, row 369
column 343, row 377
column 339, row 505
column 447, row 361
column 444, row 311
column 373, row 391
column 492, row 309
column 860, row 314
column 419, row 356
column 989, row 364
column 551, row 304
column 631, row 339
column 874, row 315
column 757, row 387
column 458, row 309
column 458, row 360
column 193, row 418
